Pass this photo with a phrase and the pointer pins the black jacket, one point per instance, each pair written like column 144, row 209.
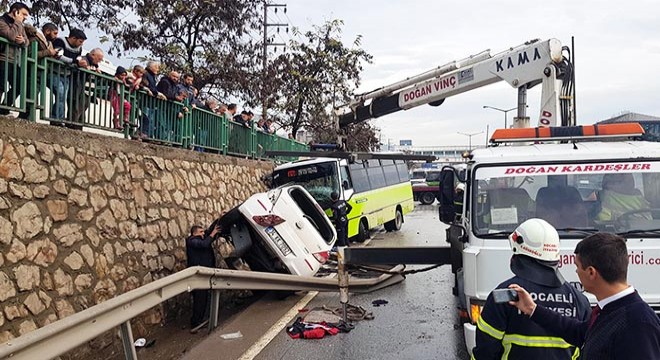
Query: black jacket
column 340, row 209
column 70, row 53
column 199, row 251
column 502, row 329
column 625, row 329
column 168, row 87
column 149, row 81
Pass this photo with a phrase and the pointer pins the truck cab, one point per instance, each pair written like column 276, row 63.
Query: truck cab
column 580, row 187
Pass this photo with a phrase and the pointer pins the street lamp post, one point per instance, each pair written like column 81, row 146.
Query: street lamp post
column 502, row 110
column 470, row 135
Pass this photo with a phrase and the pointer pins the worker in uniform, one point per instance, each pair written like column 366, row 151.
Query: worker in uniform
column 619, row 196
column 503, row 332
column 339, row 211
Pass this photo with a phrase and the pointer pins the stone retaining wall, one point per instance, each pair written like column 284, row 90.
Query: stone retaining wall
column 85, row 217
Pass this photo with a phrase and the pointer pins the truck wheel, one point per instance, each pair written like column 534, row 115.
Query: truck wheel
column 363, row 232
column 395, row 224
column 427, row 198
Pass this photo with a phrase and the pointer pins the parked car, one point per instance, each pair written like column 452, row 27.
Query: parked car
column 283, row 230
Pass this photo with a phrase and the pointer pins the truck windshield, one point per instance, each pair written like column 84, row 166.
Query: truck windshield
column 575, row 198
column 320, row 179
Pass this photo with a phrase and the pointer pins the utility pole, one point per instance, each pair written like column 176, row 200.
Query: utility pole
column 267, row 43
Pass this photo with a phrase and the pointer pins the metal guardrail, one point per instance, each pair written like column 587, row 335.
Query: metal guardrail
column 61, row 336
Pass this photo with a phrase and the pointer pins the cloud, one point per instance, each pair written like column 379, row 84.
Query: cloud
column 617, row 52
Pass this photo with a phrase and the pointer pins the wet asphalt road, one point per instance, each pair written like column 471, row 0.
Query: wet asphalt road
column 419, row 322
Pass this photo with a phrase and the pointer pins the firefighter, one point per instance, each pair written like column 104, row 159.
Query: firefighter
column 505, row 333
column 339, row 210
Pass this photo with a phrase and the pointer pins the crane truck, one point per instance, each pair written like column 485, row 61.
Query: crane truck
column 556, row 171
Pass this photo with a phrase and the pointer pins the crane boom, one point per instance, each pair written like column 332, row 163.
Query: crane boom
column 523, row 66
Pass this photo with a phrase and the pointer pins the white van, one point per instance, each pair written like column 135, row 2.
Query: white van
column 283, row 230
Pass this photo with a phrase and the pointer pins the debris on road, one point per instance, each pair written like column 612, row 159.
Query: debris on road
column 308, row 330
column 140, row 342
column 230, row 336
column 353, row 312
column 379, row 302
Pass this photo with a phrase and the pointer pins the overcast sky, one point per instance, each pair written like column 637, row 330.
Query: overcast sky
column 617, row 55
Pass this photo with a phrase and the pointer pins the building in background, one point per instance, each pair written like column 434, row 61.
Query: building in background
column 651, row 124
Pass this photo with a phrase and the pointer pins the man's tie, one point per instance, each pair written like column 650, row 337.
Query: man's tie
column 594, row 314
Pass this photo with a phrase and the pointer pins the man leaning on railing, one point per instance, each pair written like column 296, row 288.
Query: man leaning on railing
column 11, row 28
column 69, row 51
column 45, row 48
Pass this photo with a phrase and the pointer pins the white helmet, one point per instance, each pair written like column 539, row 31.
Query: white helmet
column 536, row 238
column 460, row 186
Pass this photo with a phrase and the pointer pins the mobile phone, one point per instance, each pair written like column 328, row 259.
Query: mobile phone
column 501, row 296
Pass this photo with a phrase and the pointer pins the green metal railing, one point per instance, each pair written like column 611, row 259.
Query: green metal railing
column 50, row 90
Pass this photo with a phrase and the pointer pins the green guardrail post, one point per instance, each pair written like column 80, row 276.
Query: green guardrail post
column 225, row 133
column 31, row 97
column 253, row 142
column 187, row 143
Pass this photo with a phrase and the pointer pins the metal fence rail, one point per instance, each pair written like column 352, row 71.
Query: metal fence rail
column 61, row 336
column 62, row 94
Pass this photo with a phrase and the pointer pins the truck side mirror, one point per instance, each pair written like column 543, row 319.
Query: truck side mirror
column 446, row 209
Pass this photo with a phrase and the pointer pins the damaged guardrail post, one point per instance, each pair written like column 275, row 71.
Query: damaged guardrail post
column 127, row 340
column 342, row 276
column 215, row 309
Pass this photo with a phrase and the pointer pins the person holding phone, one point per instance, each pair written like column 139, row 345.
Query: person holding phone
column 199, row 252
column 622, row 325
column 505, row 332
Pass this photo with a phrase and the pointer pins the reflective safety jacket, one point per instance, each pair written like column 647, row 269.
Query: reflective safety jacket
column 505, row 333
column 614, row 204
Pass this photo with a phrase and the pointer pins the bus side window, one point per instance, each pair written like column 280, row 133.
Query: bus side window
column 359, row 177
column 402, row 168
column 375, row 172
column 389, row 170
column 345, row 178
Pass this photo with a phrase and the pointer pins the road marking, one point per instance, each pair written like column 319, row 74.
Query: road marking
column 263, row 341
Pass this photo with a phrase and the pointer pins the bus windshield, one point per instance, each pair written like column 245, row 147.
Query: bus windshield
column 320, row 179
column 621, row 197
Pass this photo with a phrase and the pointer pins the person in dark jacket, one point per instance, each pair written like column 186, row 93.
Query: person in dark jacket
column 340, row 209
column 69, row 52
column 45, row 49
column 622, row 325
column 148, row 107
column 12, row 29
column 80, row 97
column 199, row 252
column 169, row 85
column 505, row 333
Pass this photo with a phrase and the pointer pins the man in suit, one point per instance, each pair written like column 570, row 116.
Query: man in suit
column 622, row 325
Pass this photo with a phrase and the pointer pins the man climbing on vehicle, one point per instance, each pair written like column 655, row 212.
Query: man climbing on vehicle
column 503, row 331
column 199, row 252
column 339, row 210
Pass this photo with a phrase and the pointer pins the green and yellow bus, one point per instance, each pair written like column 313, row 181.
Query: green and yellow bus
column 379, row 191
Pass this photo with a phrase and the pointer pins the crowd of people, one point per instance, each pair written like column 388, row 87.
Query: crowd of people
column 67, row 83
